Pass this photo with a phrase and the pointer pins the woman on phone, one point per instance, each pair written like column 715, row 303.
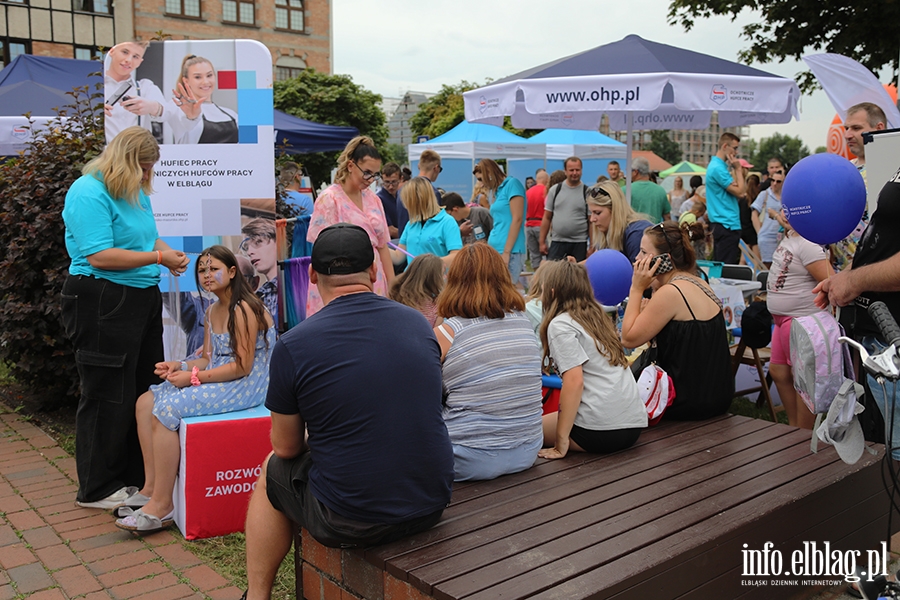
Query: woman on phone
column 685, row 317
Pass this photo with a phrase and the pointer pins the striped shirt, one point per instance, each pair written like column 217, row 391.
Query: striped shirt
column 492, row 381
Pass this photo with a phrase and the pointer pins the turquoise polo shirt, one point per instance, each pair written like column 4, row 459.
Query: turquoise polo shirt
column 510, row 188
column 96, row 221
column 439, row 235
column 721, row 206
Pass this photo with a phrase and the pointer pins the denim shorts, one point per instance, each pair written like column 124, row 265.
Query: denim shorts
column 886, row 399
column 478, row 465
column 516, row 264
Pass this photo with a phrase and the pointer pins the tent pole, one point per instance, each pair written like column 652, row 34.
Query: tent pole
column 628, row 150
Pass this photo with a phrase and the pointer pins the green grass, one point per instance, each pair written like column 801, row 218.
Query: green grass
column 227, row 555
column 747, row 408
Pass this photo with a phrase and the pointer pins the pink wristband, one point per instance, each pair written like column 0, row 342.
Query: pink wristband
column 194, row 379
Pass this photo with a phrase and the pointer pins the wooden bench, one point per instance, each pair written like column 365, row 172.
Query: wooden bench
column 667, row 518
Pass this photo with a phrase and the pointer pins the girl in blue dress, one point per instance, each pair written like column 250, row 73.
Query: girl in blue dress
column 232, row 374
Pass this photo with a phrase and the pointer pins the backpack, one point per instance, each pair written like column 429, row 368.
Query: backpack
column 823, row 372
column 820, row 362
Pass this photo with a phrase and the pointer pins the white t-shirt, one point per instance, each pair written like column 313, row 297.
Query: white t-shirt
column 790, row 284
column 610, row 399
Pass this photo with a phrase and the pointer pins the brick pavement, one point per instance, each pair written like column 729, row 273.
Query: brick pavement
column 51, row 549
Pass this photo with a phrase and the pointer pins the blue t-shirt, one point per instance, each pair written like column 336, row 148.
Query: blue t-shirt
column 502, row 215
column 632, row 242
column 95, row 221
column 380, row 449
column 721, row 206
column 439, row 235
column 302, row 201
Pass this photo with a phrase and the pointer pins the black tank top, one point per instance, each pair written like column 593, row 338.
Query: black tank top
column 695, row 355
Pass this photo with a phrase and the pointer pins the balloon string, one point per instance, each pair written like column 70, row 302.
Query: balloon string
column 395, row 247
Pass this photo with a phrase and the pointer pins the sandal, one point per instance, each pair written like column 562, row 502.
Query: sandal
column 140, row 522
column 136, row 500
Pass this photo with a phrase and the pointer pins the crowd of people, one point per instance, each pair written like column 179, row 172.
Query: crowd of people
column 417, row 277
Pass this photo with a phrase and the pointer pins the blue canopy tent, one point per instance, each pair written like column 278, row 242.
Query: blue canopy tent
column 593, row 148
column 294, row 135
column 461, row 147
column 40, row 84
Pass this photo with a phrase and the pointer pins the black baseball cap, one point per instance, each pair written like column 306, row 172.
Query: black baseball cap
column 342, row 249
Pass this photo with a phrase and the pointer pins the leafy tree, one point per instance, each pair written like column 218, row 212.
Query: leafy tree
column 664, row 146
column 33, row 257
column 748, row 150
column 395, row 153
column 865, row 31
column 445, row 110
column 820, row 150
column 789, row 149
column 442, row 112
column 333, row 100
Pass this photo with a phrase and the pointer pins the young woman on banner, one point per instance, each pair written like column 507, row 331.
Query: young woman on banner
column 349, row 200
column 112, row 311
column 232, row 374
column 600, row 408
column 203, row 121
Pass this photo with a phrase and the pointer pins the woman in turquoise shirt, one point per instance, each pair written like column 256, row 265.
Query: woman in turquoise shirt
column 508, row 209
column 112, row 311
column 430, row 230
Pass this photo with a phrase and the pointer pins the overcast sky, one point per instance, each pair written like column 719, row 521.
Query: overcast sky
column 392, row 46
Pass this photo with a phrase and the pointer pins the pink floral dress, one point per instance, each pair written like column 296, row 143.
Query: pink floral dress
column 334, row 206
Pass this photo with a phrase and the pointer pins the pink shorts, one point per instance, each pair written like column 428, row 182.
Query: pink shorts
column 781, row 340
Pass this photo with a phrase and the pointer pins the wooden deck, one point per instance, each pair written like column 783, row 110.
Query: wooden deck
column 667, row 518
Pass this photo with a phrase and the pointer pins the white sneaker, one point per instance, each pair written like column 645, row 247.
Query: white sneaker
column 111, row 501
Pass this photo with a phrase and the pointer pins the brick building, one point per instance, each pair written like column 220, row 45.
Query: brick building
column 298, row 33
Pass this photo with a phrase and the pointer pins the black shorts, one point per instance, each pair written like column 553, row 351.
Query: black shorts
column 726, row 244
column 560, row 250
column 288, row 489
column 604, row 442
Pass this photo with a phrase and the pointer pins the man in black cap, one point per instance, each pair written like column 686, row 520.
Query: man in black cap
column 377, row 464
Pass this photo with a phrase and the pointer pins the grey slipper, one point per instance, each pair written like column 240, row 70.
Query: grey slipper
column 135, row 500
column 140, row 522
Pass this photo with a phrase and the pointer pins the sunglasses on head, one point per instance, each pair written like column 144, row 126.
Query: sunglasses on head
column 666, row 237
column 598, row 191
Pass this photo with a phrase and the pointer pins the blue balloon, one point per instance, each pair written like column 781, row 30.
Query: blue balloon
column 825, row 197
column 610, row 274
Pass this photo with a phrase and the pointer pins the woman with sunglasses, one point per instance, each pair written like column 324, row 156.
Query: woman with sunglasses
column 764, row 212
column 685, row 317
column 349, row 200
column 614, row 224
column 508, row 210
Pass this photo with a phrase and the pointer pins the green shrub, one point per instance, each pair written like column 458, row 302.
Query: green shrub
column 33, row 258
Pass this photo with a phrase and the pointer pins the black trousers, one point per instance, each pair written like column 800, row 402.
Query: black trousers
column 726, row 244
column 560, row 250
column 116, row 331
